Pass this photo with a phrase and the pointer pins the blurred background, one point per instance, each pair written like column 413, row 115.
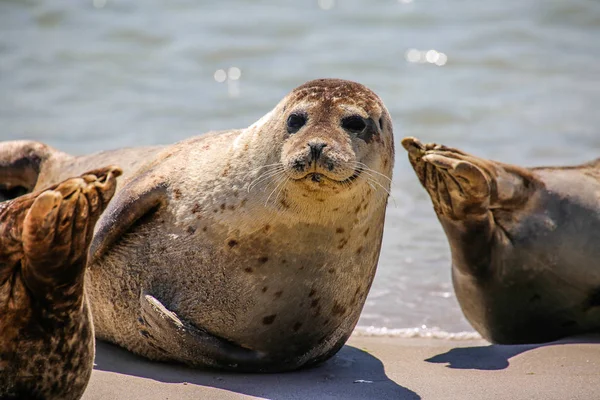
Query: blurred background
column 516, row 81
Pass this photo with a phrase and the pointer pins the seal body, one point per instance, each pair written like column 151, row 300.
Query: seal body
column 249, row 249
column 525, row 243
column 46, row 331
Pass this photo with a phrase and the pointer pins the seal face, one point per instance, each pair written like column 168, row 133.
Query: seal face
column 249, row 249
column 46, row 332
column 525, row 243
column 329, row 137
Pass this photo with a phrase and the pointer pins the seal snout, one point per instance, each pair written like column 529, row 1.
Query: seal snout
column 316, row 149
column 317, row 160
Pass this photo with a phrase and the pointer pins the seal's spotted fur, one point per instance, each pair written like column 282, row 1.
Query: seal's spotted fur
column 250, row 249
column 46, row 333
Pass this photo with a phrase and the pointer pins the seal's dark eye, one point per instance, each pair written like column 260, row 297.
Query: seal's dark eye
column 354, row 124
column 295, row 121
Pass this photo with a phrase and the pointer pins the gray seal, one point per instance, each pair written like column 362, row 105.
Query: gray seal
column 46, row 332
column 250, row 249
column 525, row 242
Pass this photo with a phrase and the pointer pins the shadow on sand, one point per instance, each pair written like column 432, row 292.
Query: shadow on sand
column 496, row 356
column 351, row 374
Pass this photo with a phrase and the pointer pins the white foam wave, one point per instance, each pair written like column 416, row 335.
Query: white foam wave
column 420, row 332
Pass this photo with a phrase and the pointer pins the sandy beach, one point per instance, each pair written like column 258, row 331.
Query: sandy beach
column 373, row 368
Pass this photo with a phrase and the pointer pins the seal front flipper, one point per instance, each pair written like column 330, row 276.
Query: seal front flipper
column 182, row 341
column 468, row 193
column 138, row 198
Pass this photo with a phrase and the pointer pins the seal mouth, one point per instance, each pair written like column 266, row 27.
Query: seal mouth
column 318, row 177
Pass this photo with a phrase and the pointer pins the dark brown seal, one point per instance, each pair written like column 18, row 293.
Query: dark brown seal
column 46, row 332
column 525, row 242
column 249, row 249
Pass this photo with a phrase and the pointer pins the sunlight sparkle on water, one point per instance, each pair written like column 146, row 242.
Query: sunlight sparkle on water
column 234, row 73
column 220, row 75
column 426, row 56
column 232, row 77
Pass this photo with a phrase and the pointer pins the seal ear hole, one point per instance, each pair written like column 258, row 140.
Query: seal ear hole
column 354, row 123
column 296, row 121
column 381, row 123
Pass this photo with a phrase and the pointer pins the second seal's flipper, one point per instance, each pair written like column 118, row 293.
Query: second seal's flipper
column 469, row 195
column 462, row 186
column 179, row 340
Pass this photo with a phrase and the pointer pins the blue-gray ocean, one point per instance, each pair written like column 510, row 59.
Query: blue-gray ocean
column 517, row 81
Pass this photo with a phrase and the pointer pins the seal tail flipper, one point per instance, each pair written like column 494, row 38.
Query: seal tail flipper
column 178, row 339
column 20, row 165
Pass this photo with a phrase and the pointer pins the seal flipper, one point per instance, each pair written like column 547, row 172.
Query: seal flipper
column 58, row 229
column 130, row 204
column 182, row 341
column 465, row 192
column 49, row 230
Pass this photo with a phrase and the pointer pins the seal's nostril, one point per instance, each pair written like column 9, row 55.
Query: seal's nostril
column 316, row 149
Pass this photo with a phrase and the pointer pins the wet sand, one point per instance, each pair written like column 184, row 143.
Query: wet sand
column 373, row 368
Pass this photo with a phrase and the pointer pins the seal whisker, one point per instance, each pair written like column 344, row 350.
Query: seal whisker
column 273, row 179
column 380, row 186
column 371, row 178
column 281, row 190
column 265, row 176
column 365, row 167
column 279, row 183
column 266, row 166
column 271, row 169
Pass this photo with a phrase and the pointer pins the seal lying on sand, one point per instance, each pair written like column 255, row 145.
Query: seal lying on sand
column 46, row 333
column 249, row 249
column 525, row 242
